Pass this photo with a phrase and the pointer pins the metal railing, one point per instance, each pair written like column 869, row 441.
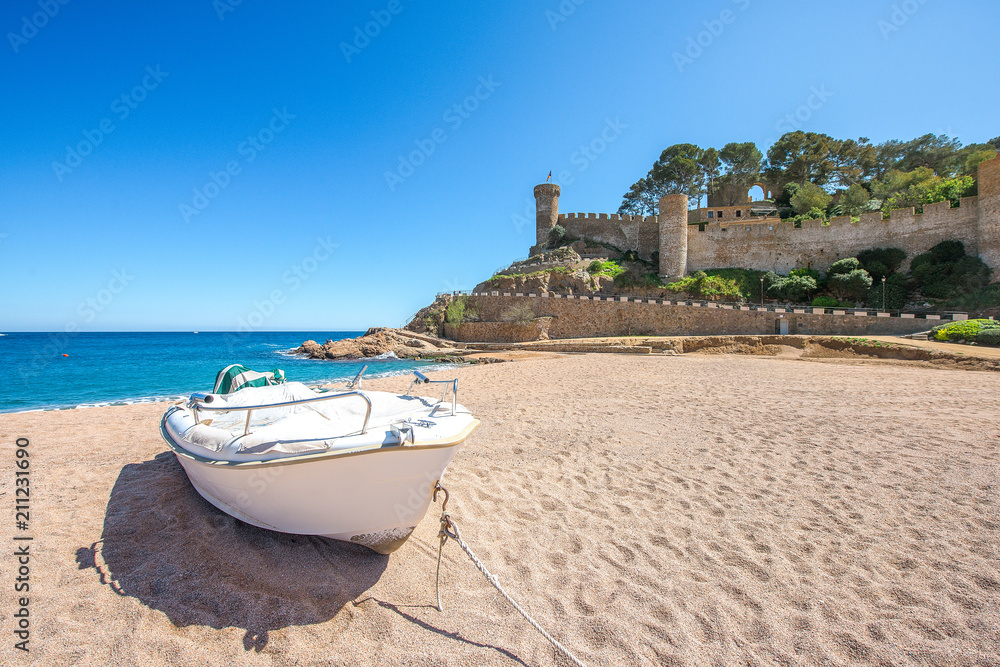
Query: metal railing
column 423, row 379
column 737, row 305
column 199, row 402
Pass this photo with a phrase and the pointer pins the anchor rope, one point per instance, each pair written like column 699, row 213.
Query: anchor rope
column 450, row 530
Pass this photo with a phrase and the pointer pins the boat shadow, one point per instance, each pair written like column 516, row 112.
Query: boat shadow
column 170, row 549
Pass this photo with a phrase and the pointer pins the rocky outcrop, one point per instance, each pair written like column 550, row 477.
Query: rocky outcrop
column 380, row 341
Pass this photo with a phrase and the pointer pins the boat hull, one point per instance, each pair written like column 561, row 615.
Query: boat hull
column 374, row 498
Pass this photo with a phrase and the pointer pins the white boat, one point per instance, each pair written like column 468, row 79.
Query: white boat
column 352, row 465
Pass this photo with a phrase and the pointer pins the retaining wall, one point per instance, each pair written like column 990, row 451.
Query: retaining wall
column 499, row 332
column 583, row 317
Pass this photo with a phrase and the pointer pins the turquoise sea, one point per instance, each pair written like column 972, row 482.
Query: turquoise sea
column 122, row 368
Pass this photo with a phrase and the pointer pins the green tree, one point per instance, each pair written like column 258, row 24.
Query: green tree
column 855, row 200
column 852, row 161
column 937, row 152
column 894, row 289
column 743, row 164
column 710, row 170
column 975, row 158
column 677, row 171
column 557, row 235
column 900, row 189
column 803, row 157
column 842, row 266
column 949, row 189
column 639, row 200
column 881, row 262
column 853, row 285
column 810, row 196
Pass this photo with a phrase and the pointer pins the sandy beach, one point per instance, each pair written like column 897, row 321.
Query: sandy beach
column 647, row 510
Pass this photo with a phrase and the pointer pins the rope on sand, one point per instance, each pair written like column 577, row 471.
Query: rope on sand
column 450, row 529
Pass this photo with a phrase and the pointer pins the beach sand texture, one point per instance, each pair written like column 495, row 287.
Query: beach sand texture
column 693, row 510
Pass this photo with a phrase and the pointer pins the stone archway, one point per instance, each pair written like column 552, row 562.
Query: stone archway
column 757, row 192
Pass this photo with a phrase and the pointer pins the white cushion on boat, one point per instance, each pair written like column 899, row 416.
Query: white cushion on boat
column 321, row 426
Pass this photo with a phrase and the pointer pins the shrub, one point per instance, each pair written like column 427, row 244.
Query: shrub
column 520, row 314
column 879, row 262
column 455, row 313
column 792, row 288
column 556, row 236
column 989, row 337
column 635, row 275
column 896, row 290
column 853, row 285
column 810, row 197
column 799, row 288
column 946, row 272
column 825, row 302
column 948, row 251
column 986, row 297
column 969, row 330
column 811, row 273
column 609, row 268
column 843, row 266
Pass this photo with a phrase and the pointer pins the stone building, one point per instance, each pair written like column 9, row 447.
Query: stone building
column 737, row 236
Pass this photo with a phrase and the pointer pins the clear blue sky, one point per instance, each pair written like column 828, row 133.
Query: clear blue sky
column 173, row 92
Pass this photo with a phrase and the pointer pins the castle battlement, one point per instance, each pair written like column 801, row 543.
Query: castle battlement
column 610, row 217
column 770, row 244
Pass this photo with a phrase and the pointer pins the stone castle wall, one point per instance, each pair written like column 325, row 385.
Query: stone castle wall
column 584, row 318
column 771, row 245
column 989, row 214
column 627, row 232
column 780, row 246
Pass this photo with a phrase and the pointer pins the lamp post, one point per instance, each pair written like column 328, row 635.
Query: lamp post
column 762, row 291
column 883, row 293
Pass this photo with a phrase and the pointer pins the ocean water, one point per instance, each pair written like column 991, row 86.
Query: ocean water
column 122, row 368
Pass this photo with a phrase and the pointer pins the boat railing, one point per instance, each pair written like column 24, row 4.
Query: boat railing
column 423, row 379
column 356, row 382
column 200, row 400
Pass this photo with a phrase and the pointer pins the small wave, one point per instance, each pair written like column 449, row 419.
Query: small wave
column 384, row 355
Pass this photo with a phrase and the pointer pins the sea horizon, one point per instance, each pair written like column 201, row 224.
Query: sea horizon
column 63, row 371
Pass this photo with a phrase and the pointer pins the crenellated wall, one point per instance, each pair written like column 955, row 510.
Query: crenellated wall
column 771, row 245
column 627, row 232
column 780, row 246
